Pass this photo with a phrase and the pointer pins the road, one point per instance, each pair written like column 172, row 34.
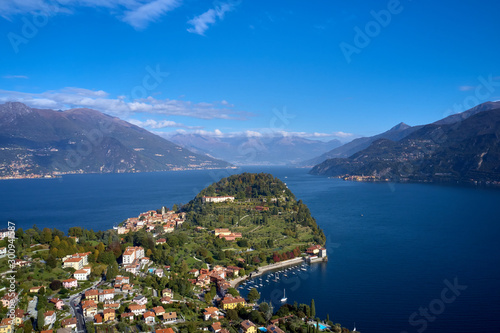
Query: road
column 32, row 307
column 76, row 309
column 77, row 312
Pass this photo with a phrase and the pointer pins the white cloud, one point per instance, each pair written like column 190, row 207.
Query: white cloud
column 264, row 133
column 466, row 88
column 72, row 97
column 15, row 77
column 137, row 13
column 151, row 123
column 140, row 17
column 201, row 23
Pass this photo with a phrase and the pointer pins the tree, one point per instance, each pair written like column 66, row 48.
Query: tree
column 266, row 310
column 90, row 327
column 232, row 314
column 100, row 247
column 56, row 284
column 28, row 326
column 40, row 319
column 256, row 317
column 313, row 308
column 46, row 236
column 233, row 292
column 112, row 271
column 253, row 295
column 51, row 261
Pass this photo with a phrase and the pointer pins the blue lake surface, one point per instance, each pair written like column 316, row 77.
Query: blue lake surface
column 394, row 249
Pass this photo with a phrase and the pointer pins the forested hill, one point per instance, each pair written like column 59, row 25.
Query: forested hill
column 247, row 186
column 260, row 200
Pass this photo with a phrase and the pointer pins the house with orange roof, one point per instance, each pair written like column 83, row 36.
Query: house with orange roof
column 9, row 300
column 212, row 313
column 81, row 275
column 108, row 314
column 92, row 294
column 6, row 325
column 127, row 316
column 159, row 310
column 70, row 283
column 165, row 330
column 98, row 319
column 35, row 289
column 248, row 327
column 274, row 329
column 69, row 323
column 57, row 302
column 49, row 317
column 89, row 308
column 76, row 263
column 216, row 327
column 169, row 317
column 106, row 295
column 167, row 292
column 18, row 316
column 137, row 309
column 131, row 253
column 149, row 317
column 166, row 300
column 230, row 302
column 114, row 306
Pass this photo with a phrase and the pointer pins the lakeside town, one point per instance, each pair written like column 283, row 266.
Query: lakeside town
column 128, row 280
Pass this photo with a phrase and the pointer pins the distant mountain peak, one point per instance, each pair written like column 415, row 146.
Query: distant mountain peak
column 458, row 117
column 16, row 108
column 400, row 127
column 48, row 141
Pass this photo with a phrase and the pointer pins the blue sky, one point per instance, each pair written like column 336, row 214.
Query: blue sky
column 318, row 69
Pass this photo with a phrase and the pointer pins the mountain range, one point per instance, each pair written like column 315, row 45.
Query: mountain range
column 462, row 147
column 44, row 141
column 262, row 150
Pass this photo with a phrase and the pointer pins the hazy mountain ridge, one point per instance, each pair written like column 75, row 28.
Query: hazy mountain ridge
column 85, row 140
column 463, row 148
column 265, row 150
column 395, row 133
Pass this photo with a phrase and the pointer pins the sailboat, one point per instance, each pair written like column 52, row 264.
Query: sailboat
column 283, row 300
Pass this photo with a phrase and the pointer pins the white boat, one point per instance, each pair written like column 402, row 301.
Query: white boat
column 283, row 300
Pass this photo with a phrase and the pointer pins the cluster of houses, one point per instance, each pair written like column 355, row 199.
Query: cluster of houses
column 7, row 324
column 149, row 220
column 218, row 275
column 135, row 310
column 316, row 252
column 79, row 262
column 246, row 326
column 226, row 234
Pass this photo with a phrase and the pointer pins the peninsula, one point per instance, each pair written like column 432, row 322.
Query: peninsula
column 168, row 268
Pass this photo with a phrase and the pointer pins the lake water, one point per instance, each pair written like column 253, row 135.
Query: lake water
column 394, row 249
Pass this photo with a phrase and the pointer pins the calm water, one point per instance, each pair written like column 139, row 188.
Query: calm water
column 390, row 246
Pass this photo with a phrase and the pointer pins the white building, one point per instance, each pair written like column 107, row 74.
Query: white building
column 217, row 199
column 131, row 253
column 81, row 275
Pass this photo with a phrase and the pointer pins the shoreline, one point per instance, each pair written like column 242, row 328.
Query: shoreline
column 290, row 262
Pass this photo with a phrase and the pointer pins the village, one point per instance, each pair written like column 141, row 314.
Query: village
column 130, row 288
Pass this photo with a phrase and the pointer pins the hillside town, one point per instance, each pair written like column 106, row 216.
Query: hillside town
column 107, row 303
column 161, row 272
